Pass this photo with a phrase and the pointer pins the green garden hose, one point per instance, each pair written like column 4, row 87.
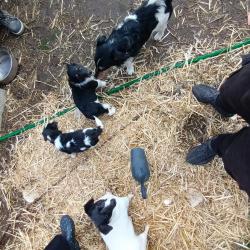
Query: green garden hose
column 121, row 87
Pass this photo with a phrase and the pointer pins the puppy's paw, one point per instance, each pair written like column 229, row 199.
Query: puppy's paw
column 158, row 36
column 130, row 70
column 78, row 114
column 130, row 196
column 101, row 84
column 73, row 155
column 112, row 110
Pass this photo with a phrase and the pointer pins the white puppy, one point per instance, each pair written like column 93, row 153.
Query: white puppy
column 110, row 215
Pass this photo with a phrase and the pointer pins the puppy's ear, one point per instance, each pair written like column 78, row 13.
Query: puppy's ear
column 109, row 208
column 105, row 229
column 89, row 206
column 52, row 125
column 101, row 40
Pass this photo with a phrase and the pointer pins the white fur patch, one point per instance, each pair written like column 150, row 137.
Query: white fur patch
column 68, row 144
column 157, row 2
column 130, row 66
column 87, row 80
column 127, row 18
column 87, row 141
column 49, row 138
column 58, row 143
column 98, row 122
column 111, row 109
column 162, row 18
column 131, row 17
column 101, row 83
column 123, row 236
column 82, row 149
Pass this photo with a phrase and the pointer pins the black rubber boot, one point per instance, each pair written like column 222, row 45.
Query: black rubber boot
column 68, row 232
column 13, row 24
column 245, row 59
column 202, row 154
column 209, row 95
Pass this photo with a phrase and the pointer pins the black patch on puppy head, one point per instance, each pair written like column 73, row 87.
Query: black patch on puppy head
column 51, row 131
column 52, row 126
column 99, row 214
column 125, row 44
column 101, row 40
column 77, row 73
column 103, row 59
column 108, row 55
column 120, row 56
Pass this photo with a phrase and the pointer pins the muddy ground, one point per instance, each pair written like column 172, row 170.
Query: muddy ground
column 65, row 31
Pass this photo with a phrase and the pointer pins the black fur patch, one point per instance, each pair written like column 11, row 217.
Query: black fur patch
column 99, row 214
column 127, row 40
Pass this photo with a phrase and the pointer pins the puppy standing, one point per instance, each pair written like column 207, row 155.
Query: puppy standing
column 125, row 42
column 83, row 86
column 73, row 142
column 110, row 215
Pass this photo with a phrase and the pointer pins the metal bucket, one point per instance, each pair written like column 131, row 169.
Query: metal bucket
column 8, row 66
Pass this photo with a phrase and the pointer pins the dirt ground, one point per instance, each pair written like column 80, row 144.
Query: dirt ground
column 65, row 31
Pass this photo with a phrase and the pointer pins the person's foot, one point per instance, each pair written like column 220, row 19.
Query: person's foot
column 68, row 232
column 208, row 95
column 13, row 24
column 202, row 154
column 205, row 94
column 245, row 59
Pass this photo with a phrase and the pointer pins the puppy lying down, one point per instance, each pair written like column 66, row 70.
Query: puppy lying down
column 110, row 216
column 83, row 86
column 73, row 142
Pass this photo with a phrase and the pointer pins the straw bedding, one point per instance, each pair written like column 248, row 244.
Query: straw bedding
column 162, row 116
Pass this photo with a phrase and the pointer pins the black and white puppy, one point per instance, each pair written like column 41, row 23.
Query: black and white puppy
column 110, row 215
column 83, row 86
column 73, row 142
column 125, row 42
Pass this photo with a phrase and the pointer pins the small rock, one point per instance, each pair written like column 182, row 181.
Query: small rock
column 30, row 196
column 168, row 202
column 194, row 197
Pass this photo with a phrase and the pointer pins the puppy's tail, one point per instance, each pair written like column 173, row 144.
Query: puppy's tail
column 99, row 125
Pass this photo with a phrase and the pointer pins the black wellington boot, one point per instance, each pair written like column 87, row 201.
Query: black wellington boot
column 209, row 95
column 13, row 24
column 245, row 59
column 202, row 154
column 68, row 232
